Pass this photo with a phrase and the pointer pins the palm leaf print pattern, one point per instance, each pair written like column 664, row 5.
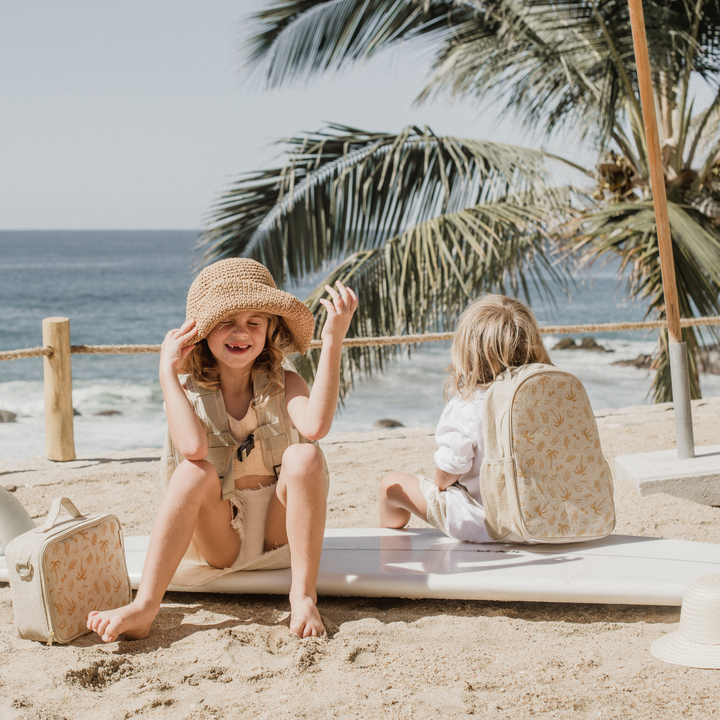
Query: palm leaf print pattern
column 565, row 490
column 72, row 568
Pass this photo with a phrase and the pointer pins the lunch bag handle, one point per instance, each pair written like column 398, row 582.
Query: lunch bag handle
column 52, row 517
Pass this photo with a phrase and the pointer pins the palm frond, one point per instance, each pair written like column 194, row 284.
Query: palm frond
column 705, row 127
column 345, row 190
column 570, row 62
column 300, row 37
column 421, row 280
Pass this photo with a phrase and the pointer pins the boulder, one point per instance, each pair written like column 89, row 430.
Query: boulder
column 387, row 424
column 641, row 361
column 108, row 412
column 589, row 343
column 7, row 416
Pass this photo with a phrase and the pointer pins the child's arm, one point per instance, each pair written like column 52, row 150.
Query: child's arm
column 312, row 413
column 185, row 427
column 456, row 441
column 443, row 480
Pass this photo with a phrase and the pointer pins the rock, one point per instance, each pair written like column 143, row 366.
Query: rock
column 387, row 424
column 589, row 343
column 76, row 411
column 708, row 359
column 10, row 488
column 108, row 412
column 641, row 361
column 7, row 416
column 565, row 344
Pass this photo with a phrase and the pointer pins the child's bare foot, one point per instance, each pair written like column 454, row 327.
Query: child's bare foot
column 304, row 617
column 133, row 620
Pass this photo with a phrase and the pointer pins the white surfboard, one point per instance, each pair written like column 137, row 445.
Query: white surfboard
column 374, row 562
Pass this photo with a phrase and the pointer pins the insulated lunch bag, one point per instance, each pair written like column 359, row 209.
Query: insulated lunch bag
column 544, row 478
column 62, row 570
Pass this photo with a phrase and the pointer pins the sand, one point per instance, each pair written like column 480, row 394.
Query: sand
column 214, row 656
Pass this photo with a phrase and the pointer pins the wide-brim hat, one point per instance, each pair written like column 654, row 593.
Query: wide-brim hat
column 696, row 642
column 230, row 286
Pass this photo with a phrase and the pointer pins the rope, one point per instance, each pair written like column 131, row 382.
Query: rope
column 369, row 341
column 26, row 353
column 545, row 330
column 113, row 349
column 389, row 340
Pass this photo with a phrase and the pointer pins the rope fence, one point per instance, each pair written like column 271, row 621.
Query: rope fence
column 368, row 341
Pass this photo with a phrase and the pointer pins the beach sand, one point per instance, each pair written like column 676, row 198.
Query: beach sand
column 217, row 656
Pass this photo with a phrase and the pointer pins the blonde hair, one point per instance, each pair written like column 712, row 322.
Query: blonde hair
column 201, row 363
column 494, row 333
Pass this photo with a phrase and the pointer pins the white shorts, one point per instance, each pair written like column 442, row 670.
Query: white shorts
column 455, row 512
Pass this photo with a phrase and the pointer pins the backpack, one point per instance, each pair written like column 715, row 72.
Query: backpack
column 544, row 478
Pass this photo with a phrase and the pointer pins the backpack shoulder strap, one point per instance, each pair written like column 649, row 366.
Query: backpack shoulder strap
column 497, row 408
column 496, row 416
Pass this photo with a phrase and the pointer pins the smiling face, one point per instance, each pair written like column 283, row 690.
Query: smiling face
column 238, row 340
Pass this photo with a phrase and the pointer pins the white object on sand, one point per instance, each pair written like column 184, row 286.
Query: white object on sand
column 14, row 520
column 696, row 642
column 661, row 471
column 374, row 562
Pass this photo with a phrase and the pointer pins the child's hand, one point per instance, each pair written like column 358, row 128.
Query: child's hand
column 339, row 312
column 172, row 352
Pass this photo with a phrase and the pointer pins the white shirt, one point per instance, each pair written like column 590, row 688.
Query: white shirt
column 459, row 437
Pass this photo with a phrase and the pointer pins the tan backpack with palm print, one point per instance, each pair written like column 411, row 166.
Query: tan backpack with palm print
column 544, row 478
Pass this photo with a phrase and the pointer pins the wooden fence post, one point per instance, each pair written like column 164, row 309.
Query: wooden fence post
column 59, row 435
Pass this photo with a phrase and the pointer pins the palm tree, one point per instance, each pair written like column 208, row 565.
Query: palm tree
column 418, row 223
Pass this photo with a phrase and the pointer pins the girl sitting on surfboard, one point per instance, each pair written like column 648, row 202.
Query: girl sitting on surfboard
column 246, row 482
column 494, row 333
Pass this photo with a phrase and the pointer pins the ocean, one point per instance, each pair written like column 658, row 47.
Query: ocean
column 122, row 287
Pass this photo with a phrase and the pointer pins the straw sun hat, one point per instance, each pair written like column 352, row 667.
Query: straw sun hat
column 696, row 642
column 229, row 286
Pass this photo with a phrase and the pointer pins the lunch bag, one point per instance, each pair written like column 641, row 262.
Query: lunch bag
column 544, row 478
column 62, row 570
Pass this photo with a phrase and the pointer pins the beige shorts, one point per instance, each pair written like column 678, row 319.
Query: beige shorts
column 250, row 509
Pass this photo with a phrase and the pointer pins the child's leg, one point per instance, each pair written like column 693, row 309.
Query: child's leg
column 192, row 505
column 297, row 516
column 400, row 496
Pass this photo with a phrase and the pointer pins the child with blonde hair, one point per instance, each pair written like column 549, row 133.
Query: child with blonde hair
column 246, row 483
column 494, row 333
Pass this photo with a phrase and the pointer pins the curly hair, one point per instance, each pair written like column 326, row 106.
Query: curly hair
column 201, row 363
column 494, row 333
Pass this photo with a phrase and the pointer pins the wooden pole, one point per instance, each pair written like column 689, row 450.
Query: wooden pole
column 678, row 355
column 657, row 176
column 59, row 435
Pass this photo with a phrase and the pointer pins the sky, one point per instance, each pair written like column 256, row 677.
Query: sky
column 138, row 115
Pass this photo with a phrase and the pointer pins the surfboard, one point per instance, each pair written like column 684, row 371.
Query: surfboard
column 423, row 563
